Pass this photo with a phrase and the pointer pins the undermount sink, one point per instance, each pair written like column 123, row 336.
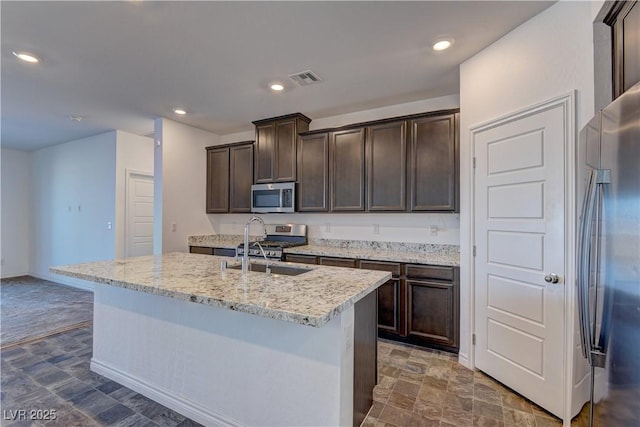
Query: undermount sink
column 275, row 269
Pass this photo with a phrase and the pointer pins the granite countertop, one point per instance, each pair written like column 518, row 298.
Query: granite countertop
column 312, row 298
column 415, row 253
column 227, row 241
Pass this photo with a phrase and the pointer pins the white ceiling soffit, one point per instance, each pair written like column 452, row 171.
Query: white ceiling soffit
column 120, row 65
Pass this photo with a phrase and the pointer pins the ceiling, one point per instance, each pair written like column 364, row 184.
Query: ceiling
column 120, row 65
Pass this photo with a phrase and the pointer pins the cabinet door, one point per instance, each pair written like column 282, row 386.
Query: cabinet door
column 391, row 301
column 433, row 164
column 347, row 155
column 264, row 155
column 624, row 18
column 217, row 180
column 386, row 167
column 313, row 173
column 241, row 173
column 432, row 313
column 285, row 151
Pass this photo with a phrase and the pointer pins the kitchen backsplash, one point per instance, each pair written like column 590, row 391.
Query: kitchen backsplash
column 441, row 229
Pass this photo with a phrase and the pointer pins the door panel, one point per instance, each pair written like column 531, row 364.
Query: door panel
column 139, row 211
column 519, row 237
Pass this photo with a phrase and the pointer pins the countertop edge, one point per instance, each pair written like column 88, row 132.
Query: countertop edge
column 270, row 313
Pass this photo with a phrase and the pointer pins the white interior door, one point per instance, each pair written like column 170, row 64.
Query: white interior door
column 520, row 239
column 139, row 212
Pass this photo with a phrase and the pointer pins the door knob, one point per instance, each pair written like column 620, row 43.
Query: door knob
column 551, row 278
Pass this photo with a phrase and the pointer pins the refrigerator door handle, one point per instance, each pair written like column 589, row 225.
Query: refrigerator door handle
column 594, row 354
column 584, row 265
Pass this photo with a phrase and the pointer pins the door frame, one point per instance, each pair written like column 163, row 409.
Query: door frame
column 128, row 174
column 568, row 103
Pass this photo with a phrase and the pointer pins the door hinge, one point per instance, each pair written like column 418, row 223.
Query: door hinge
column 474, row 162
column 474, row 250
column 473, row 339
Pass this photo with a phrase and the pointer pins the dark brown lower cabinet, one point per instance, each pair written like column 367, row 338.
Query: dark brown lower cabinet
column 201, row 250
column 391, row 308
column 420, row 304
column 433, row 306
column 212, row 251
column 337, row 262
column 302, row 259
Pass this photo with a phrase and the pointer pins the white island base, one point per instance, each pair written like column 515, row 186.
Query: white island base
column 222, row 367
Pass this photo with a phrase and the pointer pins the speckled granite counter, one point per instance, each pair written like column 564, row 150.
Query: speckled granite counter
column 227, row 241
column 312, row 298
column 418, row 253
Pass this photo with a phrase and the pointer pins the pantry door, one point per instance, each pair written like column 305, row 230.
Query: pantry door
column 520, row 244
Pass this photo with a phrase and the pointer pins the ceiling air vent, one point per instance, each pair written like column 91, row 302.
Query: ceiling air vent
column 305, row 78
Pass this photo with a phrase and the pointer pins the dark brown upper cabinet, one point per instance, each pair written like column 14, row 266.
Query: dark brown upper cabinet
column 386, row 146
column 229, row 178
column 217, row 180
column 347, row 159
column 275, row 153
column 433, row 164
column 241, row 177
column 313, row 173
column 624, row 19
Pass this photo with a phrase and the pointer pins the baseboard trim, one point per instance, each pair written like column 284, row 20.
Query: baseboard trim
column 463, row 359
column 185, row 407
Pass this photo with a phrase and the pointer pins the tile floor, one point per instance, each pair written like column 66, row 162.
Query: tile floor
column 417, row 387
column 53, row 374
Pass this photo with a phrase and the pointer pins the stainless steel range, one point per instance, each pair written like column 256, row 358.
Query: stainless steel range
column 277, row 237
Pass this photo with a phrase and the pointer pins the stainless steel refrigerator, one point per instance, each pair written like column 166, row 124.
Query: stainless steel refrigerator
column 608, row 262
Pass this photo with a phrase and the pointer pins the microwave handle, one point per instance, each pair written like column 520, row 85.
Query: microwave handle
column 281, row 198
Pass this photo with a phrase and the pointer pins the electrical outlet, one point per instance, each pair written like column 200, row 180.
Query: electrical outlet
column 376, row 228
column 174, row 226
column 434, row 230
column 109, row 225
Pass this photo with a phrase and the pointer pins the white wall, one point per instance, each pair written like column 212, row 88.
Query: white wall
column 133, row 153
column 391, row 227
column 179, row 184
column 14, row 207
column 72, row 202
column 549, row 55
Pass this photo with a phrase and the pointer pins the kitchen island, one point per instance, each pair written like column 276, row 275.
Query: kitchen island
column 225, row 348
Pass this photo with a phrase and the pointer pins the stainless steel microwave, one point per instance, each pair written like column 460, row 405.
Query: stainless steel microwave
column 276, row 197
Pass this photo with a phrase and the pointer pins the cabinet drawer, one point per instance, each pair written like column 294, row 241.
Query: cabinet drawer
column 430, row 272
column 224, row 252
column 302, row 259
column 338, row 262
column 201, row 250
column 392, row 267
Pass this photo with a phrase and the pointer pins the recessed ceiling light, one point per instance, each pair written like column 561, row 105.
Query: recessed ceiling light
column 276, row 87
column 179, row 111
column 76, row 118
column 26, row 57
column 442, row 44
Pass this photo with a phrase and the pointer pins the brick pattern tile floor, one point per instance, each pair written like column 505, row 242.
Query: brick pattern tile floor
column 428, row 388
